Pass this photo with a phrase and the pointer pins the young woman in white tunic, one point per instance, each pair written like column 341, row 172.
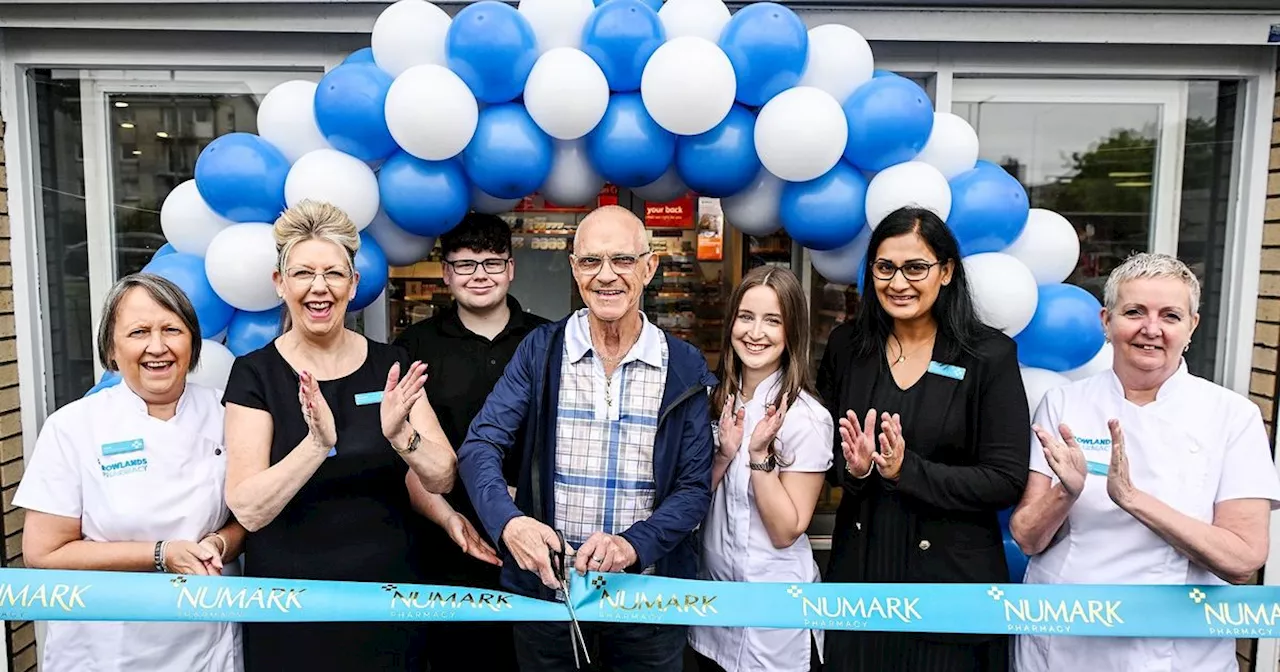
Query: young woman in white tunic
column 131, row 479
column 774, row 448
column 1144, row 474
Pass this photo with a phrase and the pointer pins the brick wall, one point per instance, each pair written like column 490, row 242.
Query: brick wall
column 20, row 637
column 1266, row 331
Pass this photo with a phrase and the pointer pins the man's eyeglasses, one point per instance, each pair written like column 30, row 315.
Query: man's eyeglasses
column 303, row 277
column 492, row 265
column 588, row 264
column 913, row 271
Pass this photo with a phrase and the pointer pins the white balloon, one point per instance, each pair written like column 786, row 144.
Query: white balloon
column 401, row 247
column 188, row 223
column 1100, row 362
column 913, row 184
column 221, row 336
column 1003, row 290
column 688, row 85
column 754, row 210
column 214, row 368
column 697, row 18
column 287, row 119
column 566, row 93
column 491, row 205
column 1048, row 245
column 431, row 113
column 409, row 33
column 952, row 147
column 839, row 60
column 1037, row 382
column 843, row 265
column 665, row 189
column 341, row 179
column 239, row 265
column 556, row 23
column 572, row 181
column 801, row 134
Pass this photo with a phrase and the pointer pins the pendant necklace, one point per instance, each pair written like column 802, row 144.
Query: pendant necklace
column 902, row 356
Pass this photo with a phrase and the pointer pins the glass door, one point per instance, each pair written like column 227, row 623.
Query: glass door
column 143, row 131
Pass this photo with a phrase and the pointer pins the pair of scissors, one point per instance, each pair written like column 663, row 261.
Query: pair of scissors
column 562, row 568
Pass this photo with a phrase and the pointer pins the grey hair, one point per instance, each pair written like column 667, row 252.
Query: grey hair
column 1146, row 265
column 162, row 291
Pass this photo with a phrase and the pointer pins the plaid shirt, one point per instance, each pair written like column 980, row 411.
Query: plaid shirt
column 604, row 451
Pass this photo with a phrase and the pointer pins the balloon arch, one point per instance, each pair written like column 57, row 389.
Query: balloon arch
column 792, row 128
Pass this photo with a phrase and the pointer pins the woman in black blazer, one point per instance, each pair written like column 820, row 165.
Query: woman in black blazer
column 933, row 439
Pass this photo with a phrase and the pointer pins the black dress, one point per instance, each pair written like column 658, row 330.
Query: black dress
column 347, row 523
column 890, row 537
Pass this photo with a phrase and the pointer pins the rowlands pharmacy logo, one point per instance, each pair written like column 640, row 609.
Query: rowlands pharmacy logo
column 417, row 604
column 17, row 599
column 841, row 613
column 209, row 601
column 1061, row 617
column 638, row 605
column 1244, row 620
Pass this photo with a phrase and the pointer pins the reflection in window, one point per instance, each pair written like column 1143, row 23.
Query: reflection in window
column 64, row 288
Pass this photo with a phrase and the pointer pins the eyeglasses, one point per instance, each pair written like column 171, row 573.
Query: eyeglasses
column 492, row 265
column 304, row 277
column 913, row 271
column 620, row 263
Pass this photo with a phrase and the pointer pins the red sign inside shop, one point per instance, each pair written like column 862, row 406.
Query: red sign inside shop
column 677, row 214
column 539, row 203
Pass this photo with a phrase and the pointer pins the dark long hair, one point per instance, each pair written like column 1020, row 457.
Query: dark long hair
column 953, row 310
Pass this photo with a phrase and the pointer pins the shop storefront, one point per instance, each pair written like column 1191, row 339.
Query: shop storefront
column 1148, row 125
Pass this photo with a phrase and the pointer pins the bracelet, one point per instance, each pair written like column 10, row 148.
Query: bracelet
column 159, row 556
column 222, row 543
column 768, row 465
column 869, row 470
column 412, row 445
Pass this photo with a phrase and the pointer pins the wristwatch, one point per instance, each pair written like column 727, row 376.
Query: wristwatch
column 768, row 464
column 413, row 444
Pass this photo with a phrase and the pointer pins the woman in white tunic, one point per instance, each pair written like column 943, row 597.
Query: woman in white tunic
column 775, row 442
column 1144, row 474
column 131, row 479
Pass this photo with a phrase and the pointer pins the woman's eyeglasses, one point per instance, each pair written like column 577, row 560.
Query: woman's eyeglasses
column 304, row 277
column 913, row 271
column 492, row 265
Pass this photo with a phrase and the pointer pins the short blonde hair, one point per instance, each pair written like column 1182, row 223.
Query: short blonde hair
column 1151, row 265
column 315, row 220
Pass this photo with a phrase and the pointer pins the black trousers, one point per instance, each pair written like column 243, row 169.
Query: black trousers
column 615, row 647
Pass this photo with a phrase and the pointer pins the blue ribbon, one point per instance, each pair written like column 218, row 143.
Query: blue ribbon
column 1112, row 611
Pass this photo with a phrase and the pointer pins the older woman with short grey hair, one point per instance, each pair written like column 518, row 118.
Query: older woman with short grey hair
column 1144, row 474
column 131, row 479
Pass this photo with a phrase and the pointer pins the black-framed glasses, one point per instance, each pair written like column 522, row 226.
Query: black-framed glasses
column 913, row 271
column 304, row 277
column 590, row 264
column 492, row 265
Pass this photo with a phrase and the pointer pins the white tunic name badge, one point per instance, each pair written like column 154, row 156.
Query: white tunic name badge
column 1097, row 454
column 122, row 457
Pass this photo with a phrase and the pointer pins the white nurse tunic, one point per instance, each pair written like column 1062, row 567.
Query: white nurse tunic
column 130, row 477
column 1196, row 445
column 736, row 546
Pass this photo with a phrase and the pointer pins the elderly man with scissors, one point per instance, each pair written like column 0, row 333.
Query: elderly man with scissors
column 610, row 418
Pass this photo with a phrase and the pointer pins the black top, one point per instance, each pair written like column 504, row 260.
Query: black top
column 462, row 368
column 347, row 523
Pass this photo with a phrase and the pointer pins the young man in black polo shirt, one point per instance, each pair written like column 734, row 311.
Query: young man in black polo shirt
column 466, row 348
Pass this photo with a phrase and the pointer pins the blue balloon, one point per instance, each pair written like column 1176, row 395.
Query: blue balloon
column 509, row 156
column 1065, row 332
column 425, row 198
column 1016, row 559
column 252, row 331
column 360, row 56
column 165, row 250
column 655, row 5
column 768, row 46
column 620, row 36
column 722, row 161
column 108, row 379
column 491, row 46
column 187, row 272
column 349, row 110
column 827, row 212
column 241, row 177
column 989, row 209
column 628, row 148
column 883, row 73
column 890, row 119
column 371, row 264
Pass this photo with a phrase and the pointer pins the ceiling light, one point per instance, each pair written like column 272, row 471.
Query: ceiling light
column 162, row 134
column 126, row 125
column 121, row 103
column 137, row 152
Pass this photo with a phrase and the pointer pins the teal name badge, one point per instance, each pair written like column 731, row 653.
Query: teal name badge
column 1097, row 468
column 121, row 447
column 368, row 398
column 947, row 370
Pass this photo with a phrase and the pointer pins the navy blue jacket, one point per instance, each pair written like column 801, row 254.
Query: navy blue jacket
column 520, row 415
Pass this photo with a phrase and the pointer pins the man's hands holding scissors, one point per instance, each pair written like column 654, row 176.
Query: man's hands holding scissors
column 531, row 544
column 605, row 553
